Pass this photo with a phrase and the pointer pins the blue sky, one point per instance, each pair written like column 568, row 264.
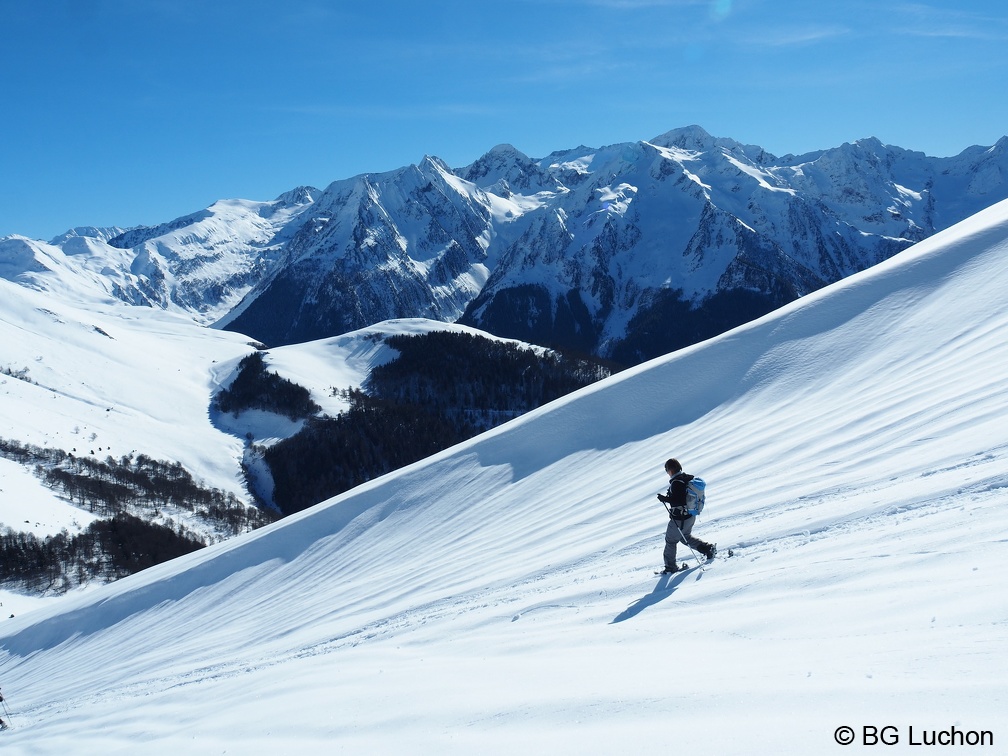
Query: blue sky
column 126, row 112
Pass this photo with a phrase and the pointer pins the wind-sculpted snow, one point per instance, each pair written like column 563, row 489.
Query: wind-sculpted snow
column 499, row 596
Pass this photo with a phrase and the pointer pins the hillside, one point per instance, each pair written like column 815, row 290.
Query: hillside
column 120, row 448
column 499, row 595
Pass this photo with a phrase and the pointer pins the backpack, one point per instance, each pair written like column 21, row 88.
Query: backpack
column 695, row 496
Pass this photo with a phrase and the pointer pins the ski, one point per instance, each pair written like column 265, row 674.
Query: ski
column 685, row 565
column 684, row 568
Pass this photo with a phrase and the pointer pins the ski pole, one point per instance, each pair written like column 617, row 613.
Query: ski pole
column 682, row 538
column 3, row 702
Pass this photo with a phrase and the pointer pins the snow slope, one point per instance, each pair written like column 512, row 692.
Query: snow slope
column 107, row 379
column 499, row 596
column 86, row 374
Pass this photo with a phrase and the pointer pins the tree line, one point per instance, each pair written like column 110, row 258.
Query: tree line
column 442, row 389
column 374, row 436
column 490, row 380
column 106, row 550
column 255, row 387
column 110, row 486
column 119, row 542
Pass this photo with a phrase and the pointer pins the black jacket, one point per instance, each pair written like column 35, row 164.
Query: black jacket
column 676, row 495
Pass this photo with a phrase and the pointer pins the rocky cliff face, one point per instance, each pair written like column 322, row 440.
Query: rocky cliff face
column 408, row 243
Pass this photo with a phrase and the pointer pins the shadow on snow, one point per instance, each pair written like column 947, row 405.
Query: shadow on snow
column 666, row 586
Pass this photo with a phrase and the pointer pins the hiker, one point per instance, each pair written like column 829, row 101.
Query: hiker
column 680, row 527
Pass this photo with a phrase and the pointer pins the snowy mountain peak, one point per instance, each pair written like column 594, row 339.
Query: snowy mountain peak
column 688, row 137
column 19, row 255
column 435, row 163
column 88, row 232
column 301, row 195
column 505, row 170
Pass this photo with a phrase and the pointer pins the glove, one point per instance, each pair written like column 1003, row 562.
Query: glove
column 664, row 499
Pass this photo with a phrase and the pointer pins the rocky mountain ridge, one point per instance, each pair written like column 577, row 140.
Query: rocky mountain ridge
column 625, row 251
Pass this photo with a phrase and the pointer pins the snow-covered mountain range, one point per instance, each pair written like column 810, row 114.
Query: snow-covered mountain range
column 626, row 251
column 498, row 597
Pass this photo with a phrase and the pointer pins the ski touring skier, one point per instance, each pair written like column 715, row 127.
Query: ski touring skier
column 681, row 520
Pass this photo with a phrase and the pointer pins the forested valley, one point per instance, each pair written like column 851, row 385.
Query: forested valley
column 444, row 388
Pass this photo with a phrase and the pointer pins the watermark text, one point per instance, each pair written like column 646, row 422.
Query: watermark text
column 890, row 735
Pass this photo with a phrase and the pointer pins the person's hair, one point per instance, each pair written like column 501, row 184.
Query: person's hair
column 673, row 464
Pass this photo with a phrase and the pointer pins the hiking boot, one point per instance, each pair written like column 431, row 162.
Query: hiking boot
column 711, row 552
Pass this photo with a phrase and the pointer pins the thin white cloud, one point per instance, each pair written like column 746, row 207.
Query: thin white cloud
column 795, row 36
column 924, row 20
